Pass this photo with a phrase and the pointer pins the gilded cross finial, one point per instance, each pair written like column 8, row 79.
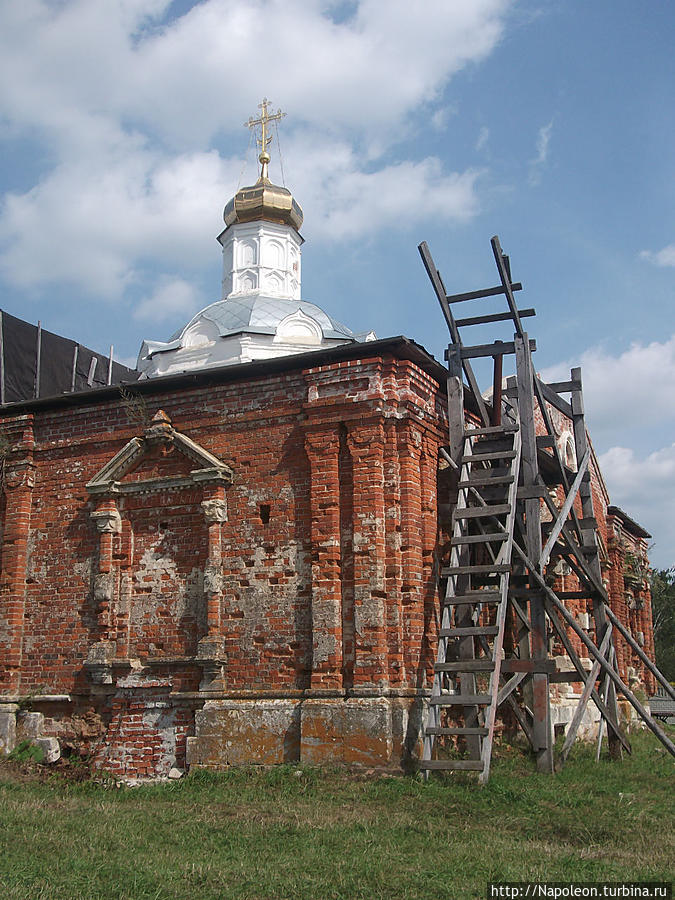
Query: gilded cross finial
column 265, row 139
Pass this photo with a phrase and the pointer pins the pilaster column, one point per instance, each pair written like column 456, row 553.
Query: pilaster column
column 429, row 481
column 392, row 506
column 214, row 508
column 322, row 446
column 103, row 651
column 18, row 485
column 366, row 446
column 108, row 522
column 211, row 654
column 410, row 451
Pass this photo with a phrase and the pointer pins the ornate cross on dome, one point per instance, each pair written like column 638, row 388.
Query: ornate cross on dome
column 263, row 120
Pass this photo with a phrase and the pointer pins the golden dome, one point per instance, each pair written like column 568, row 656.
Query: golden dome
column 266, row 201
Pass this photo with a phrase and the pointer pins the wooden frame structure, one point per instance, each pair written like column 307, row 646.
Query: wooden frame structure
column 503, row 550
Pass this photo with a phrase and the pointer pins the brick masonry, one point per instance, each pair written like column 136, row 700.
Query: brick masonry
column 235, row 568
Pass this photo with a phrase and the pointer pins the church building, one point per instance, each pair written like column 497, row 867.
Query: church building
column 235, row 558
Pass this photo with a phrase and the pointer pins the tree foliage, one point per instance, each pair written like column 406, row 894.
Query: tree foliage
column 663, row 616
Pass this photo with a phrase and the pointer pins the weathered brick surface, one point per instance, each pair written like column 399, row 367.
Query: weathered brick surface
column 171, row 605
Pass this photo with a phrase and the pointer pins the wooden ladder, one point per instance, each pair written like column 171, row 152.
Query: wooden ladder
column 474, row 606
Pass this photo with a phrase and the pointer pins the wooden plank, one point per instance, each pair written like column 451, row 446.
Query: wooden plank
column 491, row 430
column 544, row 441
column 539, row 691
column 455, row 386
column 467, row 665
column 565, row 509
column 481, row 350
column 531, row 492
column 478, row 295
column 471, row 631
column 510, row 686
column 495, row 537
column 494, row 317
column 483, row 478
column 461, row 700
column 481, row 512
column 474, row 570
column 505, row 277
column 489, row 456
column 588, row 540
column 466, row 599
column 554, row 399
column 561, row 387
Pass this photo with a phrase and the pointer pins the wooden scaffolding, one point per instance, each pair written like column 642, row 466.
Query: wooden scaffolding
column 518, row 508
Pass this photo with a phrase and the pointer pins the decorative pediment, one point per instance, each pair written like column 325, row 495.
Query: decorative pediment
column 160, row 436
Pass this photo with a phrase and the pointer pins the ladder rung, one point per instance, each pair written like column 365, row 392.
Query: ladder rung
column 486, row 457
column 466, row 665
column 471, row 765
column 475, row 570
column 484, row 478
column 491, row 429
column 435, row 729
column 474, row 597
column 479, row 538
column 481, row 512
column 461, row 700
column 469, row 631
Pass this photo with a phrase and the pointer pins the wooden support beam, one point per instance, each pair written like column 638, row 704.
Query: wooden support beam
column 507, row 689
column 478, row 295
column 640, row 652
column 565, row 510
column 541, row 707
column 439, row 289
column 503, row 268
column 576, row 662
column 505, row 348
column 571, row 735
column 563, row 387
column 494, row 317
column 595, row 653
column 549, row 395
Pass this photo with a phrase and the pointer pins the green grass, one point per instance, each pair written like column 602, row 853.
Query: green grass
column 308, row 833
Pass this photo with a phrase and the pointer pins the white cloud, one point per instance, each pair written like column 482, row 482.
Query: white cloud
column 172, row 297
column 539, row 161
column 633, row 388
column 125, row 102
column 664, row 257
column 645, row 488
column 627, row 394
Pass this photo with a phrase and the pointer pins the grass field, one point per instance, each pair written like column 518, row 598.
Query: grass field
column 308, row 833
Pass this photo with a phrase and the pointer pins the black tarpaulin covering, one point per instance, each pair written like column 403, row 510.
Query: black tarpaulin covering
column 19, row 346
column 58, row 358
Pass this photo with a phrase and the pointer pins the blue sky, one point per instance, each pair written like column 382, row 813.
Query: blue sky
column 548, row 122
